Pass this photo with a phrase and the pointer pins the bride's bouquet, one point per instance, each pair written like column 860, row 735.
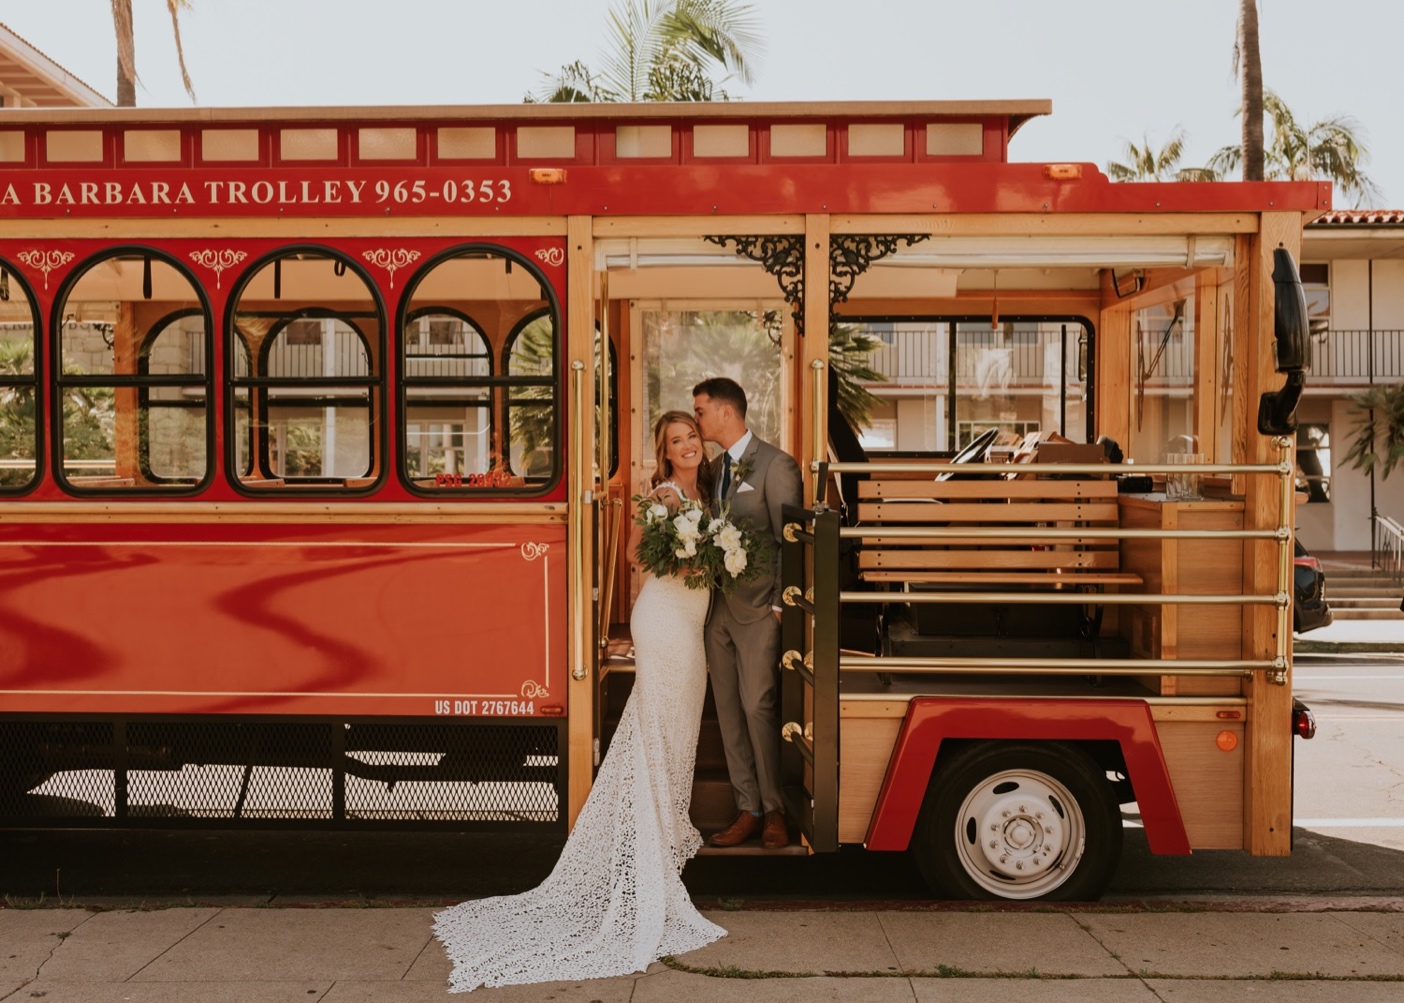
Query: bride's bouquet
column 706, row 551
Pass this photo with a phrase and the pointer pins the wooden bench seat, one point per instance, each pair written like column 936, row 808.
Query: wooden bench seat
column 1017, row 556
column 1039, row 578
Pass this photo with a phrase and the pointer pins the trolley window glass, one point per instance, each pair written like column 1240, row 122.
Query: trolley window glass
column 19, row 385
column 133, row 383
column 478, row 371
column 306, row 387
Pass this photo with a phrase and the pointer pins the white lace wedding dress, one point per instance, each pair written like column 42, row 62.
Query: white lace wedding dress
column 614, row 903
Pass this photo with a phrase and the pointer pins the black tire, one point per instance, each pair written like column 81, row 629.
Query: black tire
column 1018, row 820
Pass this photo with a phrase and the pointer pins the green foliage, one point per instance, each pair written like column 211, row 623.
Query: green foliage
column 1377, row 439
column 302, row 450
column 16, row 412
column 663, row 50
column 685, row 347
column 1145, row 164
column 705, row 550
column 849, row 354
column 88, row 414
column 532, row 426
column 1333, row 149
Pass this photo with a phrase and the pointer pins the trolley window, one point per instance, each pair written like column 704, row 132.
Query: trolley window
column 19, row 386
column 479, row 365
column 306, row 387
column 133, row 384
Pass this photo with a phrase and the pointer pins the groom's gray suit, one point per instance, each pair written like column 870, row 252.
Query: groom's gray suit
column 743, row 636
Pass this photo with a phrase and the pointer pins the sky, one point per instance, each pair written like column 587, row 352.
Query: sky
column 1115, row 70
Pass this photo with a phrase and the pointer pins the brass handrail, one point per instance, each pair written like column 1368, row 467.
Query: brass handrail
column 907, row 467
column 1049, row 533
column 1065, row 597
column 817, row 416
column 579, row 667
column 613, row 509
column 1056, row 666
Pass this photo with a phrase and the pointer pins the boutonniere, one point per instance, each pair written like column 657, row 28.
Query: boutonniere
column 741, row 469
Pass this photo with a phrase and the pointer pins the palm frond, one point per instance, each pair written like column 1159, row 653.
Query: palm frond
column 1145, row 163
column 175, row 7
column 720, row 29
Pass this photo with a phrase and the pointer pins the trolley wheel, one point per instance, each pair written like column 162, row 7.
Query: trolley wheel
column 1013, row 820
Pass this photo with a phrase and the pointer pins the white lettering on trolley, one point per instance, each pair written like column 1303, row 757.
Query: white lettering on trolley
column 484, row 708
column 282, row 191
column 104, row 193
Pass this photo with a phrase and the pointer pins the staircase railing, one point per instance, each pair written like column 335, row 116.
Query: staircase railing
column 1389, row 546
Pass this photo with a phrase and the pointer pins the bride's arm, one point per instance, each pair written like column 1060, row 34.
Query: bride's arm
column 668, row 496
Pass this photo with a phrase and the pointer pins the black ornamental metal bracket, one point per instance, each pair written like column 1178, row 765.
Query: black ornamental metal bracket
column 850, row 255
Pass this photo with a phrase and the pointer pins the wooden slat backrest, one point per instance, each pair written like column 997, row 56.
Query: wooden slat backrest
column 1020, row 506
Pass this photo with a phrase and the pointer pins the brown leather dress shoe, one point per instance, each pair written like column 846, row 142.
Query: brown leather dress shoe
column 745, row 827
column 775, row 833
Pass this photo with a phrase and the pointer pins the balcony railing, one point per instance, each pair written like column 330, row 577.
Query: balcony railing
column 1344, row 357
column 920, row 358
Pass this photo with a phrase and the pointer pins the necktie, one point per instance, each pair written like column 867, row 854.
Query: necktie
column 726, row 474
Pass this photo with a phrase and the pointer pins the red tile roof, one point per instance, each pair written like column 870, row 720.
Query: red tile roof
column 1361, row 217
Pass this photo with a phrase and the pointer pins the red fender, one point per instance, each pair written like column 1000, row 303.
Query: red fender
column 931, row 719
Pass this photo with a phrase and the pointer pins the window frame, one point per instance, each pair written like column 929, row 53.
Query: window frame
column 375, row 382
column 12, row 276
column 965, row 323
column 497, row 382
column 138, row 382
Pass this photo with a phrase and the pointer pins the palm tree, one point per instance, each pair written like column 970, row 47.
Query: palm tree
column 1332, row 149
column 1246, row 57
column 663, row 50
column 126, row 49
column 1377, row 438
column 1145, row 164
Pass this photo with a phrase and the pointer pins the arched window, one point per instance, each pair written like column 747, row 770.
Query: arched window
column 173, row 443
column 132, row 384
column 445, row 435
column 530, row 360
column 19, row 385
column 306, row 383
column 468, row 425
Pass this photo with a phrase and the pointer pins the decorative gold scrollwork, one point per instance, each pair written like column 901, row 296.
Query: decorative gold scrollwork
column 791, row 593
column 217, row 260
column 792, row 528
column 790, row 730
column 391, row 259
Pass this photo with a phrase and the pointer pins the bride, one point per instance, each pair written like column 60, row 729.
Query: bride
column 615, row 901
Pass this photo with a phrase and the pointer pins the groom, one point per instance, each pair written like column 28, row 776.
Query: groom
column 743, row 630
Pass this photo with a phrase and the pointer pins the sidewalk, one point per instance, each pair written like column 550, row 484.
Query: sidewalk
column 1187, row 953
column 1365, row 636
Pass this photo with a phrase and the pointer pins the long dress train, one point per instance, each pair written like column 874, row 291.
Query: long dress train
column 615, row 901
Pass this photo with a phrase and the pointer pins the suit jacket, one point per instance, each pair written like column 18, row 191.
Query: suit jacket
column 772, row 480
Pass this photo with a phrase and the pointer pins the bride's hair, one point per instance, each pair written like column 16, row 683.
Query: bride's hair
column 663, row 467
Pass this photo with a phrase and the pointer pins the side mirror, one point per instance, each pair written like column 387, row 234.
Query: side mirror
column 1277, row 410
column 1289, row 314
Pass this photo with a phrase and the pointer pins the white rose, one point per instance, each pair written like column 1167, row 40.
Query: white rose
column 657, row 513
column 735, row 561
column 729, row 538
column 694, row 515
column 688, row 549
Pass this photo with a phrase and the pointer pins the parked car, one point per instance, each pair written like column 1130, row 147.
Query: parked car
column 1309, row 607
